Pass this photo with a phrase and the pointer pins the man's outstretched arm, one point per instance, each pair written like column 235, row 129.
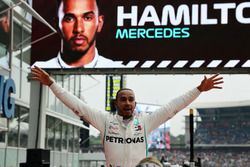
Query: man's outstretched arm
column 167, row 111
column 83, row 110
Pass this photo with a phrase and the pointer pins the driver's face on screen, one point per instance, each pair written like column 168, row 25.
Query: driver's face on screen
column 79, row 22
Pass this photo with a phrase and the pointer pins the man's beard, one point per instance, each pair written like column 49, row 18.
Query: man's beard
column 71, row 56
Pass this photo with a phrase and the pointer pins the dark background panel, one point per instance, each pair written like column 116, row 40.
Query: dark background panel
column 206, row 42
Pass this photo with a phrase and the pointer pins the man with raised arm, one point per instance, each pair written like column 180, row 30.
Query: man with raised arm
column 124, row 134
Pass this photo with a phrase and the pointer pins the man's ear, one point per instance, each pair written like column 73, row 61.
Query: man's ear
column 113, row 106
column 56, row 26
column 100, row 23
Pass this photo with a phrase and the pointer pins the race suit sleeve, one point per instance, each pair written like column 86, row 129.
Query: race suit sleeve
column 92, row 115
column 167, row 111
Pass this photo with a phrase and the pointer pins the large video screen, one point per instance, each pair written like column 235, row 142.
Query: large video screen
column 151, row 34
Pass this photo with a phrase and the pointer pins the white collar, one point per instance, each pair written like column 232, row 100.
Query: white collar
column 90, row 65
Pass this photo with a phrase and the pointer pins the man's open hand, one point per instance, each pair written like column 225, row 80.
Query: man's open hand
column 211, row 83
column 41, row 76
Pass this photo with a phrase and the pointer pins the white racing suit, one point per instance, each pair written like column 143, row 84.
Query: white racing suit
column 125, row 144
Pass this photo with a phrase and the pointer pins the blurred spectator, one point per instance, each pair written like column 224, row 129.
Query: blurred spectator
column 149, row 161
column 4, row 38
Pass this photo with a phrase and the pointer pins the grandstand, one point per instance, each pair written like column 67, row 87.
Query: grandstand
column 223, row 124
column 221, row 136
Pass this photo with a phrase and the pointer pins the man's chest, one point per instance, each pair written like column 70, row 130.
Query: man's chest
column 118, row 132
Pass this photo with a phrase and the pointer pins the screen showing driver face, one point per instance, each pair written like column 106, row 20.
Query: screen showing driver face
column 149, row 34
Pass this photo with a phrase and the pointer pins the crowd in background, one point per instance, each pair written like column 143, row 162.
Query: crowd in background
column 223, row 132
column 209, row 158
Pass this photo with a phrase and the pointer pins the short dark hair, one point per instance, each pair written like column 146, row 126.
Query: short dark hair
column 122, row 89
column 59, row 2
